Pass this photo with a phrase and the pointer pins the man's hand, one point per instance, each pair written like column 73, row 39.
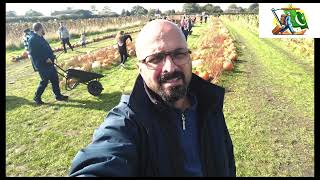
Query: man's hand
column 49, row 61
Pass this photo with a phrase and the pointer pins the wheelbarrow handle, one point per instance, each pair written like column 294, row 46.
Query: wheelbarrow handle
column 59, row 67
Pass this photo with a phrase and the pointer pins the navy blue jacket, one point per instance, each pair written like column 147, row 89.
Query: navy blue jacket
column 138, row 138
column 40, row 51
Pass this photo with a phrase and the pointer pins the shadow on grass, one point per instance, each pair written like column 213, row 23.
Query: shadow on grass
column 194, row 35
column 80, row 52
column 239, row 71
column 106, row 101
column 126, row 67
column 90, row 47
column 13, row 102
column 241, row 61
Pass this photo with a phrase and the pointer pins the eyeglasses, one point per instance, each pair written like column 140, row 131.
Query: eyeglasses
column 178, row 56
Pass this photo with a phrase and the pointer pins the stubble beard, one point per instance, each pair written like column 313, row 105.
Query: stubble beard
column 172, row 94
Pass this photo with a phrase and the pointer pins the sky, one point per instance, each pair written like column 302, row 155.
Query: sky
column 47, row 8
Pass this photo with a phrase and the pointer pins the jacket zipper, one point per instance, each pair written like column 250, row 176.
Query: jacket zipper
column 183, row 118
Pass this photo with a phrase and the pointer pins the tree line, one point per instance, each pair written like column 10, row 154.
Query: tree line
column 70, row 13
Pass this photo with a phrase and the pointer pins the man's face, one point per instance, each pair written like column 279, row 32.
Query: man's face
column 169, row 79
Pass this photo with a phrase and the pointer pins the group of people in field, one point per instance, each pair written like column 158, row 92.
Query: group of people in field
column 43, row 58
column 187, row 23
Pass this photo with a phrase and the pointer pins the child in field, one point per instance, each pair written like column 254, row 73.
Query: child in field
column 83, row 40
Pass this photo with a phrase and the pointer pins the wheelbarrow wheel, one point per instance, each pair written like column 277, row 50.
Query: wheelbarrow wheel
column 95, row 88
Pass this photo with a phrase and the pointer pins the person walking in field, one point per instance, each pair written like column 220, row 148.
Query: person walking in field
column 121, row 39
column 171, row 124
column 43, row 59
column 184, row 25
column 189, row 25
column 205, row 18
column 64, row 37
column 83, row 40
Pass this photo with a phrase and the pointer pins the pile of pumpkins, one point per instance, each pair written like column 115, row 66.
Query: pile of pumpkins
column 24, row 55
column 217, row 52
column 230, row 50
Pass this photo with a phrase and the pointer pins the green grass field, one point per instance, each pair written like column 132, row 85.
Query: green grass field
column 268, row 109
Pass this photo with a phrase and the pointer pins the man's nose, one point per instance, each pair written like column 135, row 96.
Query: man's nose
column 169, row 65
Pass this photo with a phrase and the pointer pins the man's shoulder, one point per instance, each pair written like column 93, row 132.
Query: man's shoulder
column 119, row 117
column 32, row 38
column 122, row 110
column 206, row 87
column 206, row 90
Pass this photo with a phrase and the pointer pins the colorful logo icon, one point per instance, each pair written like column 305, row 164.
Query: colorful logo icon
column 292, row 21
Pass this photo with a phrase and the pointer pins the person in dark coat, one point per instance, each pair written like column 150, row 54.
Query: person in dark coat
column 172, row 123
column 190, row 25
column 43, row 59
column 122, row 45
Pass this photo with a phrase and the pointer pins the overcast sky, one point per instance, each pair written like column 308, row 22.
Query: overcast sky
column 47, row 8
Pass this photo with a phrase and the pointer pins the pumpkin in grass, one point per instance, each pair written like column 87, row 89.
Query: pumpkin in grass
column 228, row 65
column 25, row 54
column 71, row 82
column 96, row 65
column 62, row 83
column 104, row 65
column 86, row 67
column 132, row 52
column 233, row 56
column 100, row 58
column 204, row 75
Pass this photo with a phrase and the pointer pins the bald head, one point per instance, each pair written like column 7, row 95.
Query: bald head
column 159, row 35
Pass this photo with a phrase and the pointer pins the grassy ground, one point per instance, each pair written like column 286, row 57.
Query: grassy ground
column 269, row 108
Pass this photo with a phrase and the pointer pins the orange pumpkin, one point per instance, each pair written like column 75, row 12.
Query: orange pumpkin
column 132, row 52
column 204, row 75
column 233, row 57
column 227, row 65
column 25, row 54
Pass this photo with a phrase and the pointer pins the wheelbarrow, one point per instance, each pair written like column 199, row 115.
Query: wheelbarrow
column 90, row 79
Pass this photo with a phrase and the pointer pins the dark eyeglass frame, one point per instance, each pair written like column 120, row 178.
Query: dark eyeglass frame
column 162, row 56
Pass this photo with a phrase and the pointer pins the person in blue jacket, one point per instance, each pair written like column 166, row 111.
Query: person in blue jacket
column 43, row 58
column 172, row 123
